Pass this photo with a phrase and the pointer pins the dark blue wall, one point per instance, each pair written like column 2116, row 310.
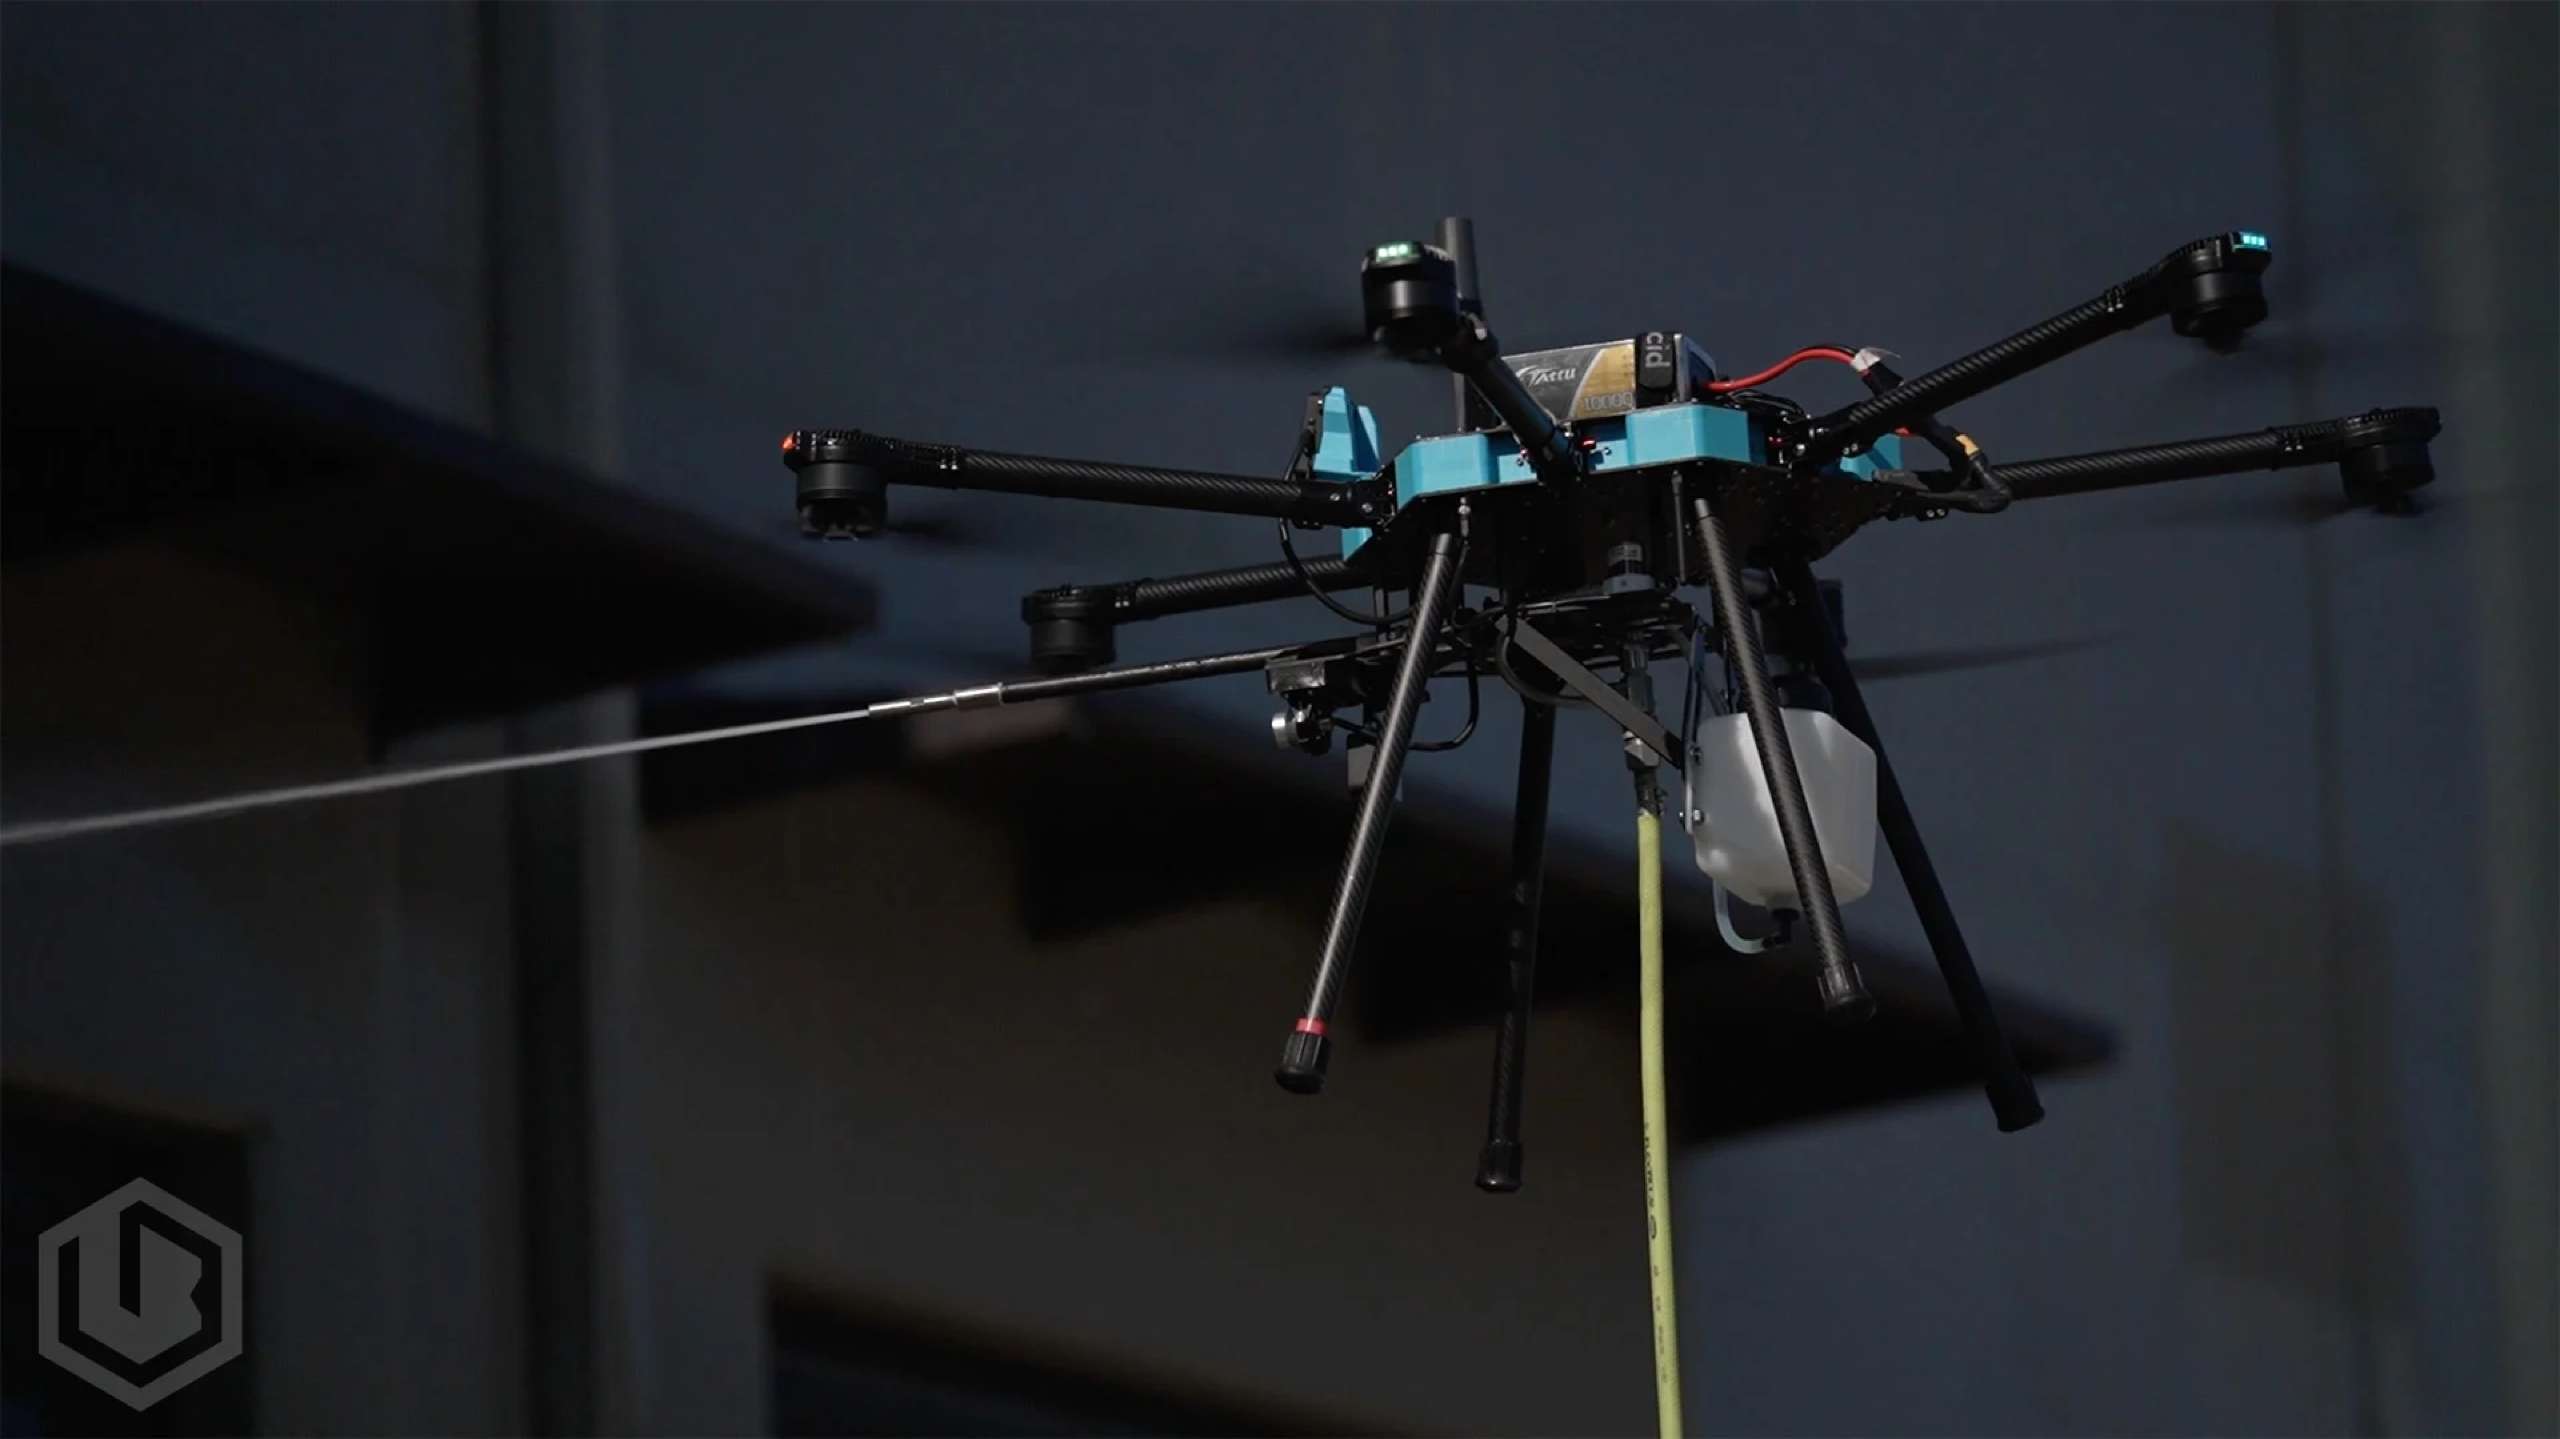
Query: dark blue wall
column 2279, row 818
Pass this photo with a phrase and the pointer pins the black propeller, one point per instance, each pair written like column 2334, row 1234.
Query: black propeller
column 2305, row 501
column 1235, row 303
column 2290, row 502
column 1920, row 664
column 941, row 530
column 2355, row 354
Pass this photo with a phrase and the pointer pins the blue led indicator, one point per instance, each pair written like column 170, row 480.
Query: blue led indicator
column 2252, row 240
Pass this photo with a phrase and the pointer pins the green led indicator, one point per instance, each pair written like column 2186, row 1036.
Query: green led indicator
column 2252, row 240
column 1395, row 252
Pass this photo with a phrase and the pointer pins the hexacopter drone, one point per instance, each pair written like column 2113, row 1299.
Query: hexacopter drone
column 1583, row 489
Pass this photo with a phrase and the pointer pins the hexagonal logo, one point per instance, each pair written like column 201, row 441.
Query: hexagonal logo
column 139, row 1294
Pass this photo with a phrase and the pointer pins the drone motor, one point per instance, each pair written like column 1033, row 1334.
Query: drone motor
column 841, row 497
column 1409, row 296
column 1071, row 629
column 2212, row 287
column 2386, row 456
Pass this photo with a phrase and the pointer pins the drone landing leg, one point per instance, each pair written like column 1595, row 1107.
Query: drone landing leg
column 2013, row 1095
column 1498, row 1169
column 1844, row 995
column 1302, row 1059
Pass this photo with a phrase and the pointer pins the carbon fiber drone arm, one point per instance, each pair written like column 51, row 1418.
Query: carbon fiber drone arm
column 1071, row 625
column 1207, row 590
column 844, row 476
column 1476, row 357
column 2380, row 453
column 2209, row 289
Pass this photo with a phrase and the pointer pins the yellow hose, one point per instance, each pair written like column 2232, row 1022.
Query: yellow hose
column 1657, row 1130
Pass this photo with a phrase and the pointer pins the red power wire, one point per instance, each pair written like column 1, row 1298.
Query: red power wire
column 1832, row 353
column 1811, row 352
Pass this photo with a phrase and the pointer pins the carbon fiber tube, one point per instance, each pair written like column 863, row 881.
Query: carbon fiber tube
column 2380, row 452
column 1161, row 672
column 1458, row 237
column 1316, row 501
column 972, row 697
column 2210, row 284
column 1548, row 445
column 2148, row 464
column 1072, row 625
column 1216, row 589
column 1498, row 1166
column 1303, row 1057
column 1844, row 995
column 884, row 459
column 2282, row 447
column 2014, row 1105
column 1859, row 424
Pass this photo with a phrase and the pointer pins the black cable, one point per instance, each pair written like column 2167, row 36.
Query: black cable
column 1763, row 400
column 1688, row 691
column 1289, row 549
column 1728, row 700
column 1986, row 494
column 1299, row 567
column 1943, row 438
column 1915, row 489
column 1695, row 707
column 1465, row 731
